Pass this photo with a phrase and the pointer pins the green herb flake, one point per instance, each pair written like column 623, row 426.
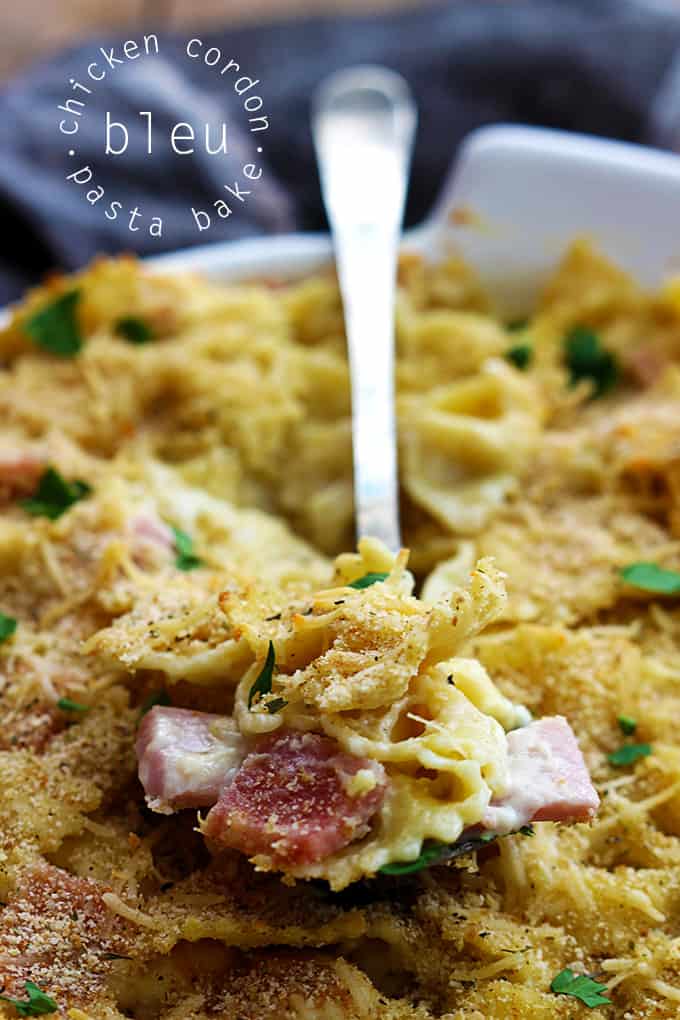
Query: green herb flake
column 581, row 987
column 67, row 705
column 430, row 854
column 629, row 753
column 7, row 627
column 650, row 577
column 275, row 705
column 134, row 330
column 627, row 724
column 54, row 495
column 184, row 547
column 37, row 1003
column 367, row 580
column 263, row 684
column 586, row 358
column 55, row 327
column 160, row 697
column 520, row 356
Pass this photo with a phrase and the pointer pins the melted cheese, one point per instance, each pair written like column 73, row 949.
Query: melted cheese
column 243, row 397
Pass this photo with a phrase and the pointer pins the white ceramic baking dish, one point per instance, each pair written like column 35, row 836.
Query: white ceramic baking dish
column 513, row 201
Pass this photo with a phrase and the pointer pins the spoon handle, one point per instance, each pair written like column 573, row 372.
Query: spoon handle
column 363, row 123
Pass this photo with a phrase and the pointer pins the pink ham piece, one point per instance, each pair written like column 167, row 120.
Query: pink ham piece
column 150, row 537
column 293, row 801
column 549, row 781
column 19, row 475
column 148, row 527
column 186, row 758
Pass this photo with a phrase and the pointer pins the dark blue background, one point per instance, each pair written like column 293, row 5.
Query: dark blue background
column 599, row 66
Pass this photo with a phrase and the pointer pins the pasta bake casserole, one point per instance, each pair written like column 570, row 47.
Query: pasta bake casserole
column 246, row 772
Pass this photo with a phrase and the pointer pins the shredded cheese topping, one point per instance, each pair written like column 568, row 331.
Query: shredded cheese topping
column 232, row 425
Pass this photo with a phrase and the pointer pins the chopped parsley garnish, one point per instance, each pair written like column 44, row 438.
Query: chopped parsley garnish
column 433, row 853
column 67, row 705
column 263, row 684
column 7, row 627
column 629, row 753
column 55, row 327
column 155, row 698
column 586, row 358
column 367, row 580
column 275, row 705
column 134, row 330
column 37, row 1003
column 580, row 986
column 627, row 724
column 184, row 547
column 430, row 854
column 520, row 355
column 54, row 495
column 650, row 577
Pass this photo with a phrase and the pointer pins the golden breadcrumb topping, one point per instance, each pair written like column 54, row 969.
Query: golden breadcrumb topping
column 205, row 479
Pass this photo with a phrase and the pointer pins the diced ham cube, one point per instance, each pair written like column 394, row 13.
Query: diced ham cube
column 297, row 798
column 148, row 527
column 19, row 474
column 186, row 758
column 52, row 923
column 151, row 538
column 31, row 728
column 549, row 781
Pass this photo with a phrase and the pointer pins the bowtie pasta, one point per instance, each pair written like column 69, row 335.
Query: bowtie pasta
column 176, row 500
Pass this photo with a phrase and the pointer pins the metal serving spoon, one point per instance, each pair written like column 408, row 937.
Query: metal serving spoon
column 363, row 123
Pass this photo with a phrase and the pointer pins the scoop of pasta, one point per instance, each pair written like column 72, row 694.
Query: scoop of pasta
column 359, row 733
